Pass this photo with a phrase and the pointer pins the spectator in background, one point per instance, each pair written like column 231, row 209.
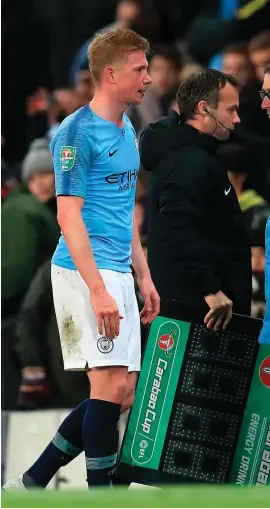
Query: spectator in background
column 62, row 103
column 29, row 227
column 254, row 207
column 37, row 111
column 37, row 346
column 164, row 67
column 126, row 12
column 259, row 53
column 10, row 174
column 84, row 86
column 37, row 171
column 236, row 62
column 47, row 110
column 67, row 100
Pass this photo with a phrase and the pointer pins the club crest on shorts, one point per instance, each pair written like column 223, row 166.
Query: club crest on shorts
column 105, row 345
column 67, row 158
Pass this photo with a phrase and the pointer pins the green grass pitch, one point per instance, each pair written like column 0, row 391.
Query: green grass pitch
column 184, row 496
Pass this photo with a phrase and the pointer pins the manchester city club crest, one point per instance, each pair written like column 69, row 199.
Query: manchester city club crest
column 105, row 345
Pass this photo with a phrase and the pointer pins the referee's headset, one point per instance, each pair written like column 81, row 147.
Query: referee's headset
column 215, row 119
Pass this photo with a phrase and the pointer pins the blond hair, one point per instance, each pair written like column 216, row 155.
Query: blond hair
column 111, row 47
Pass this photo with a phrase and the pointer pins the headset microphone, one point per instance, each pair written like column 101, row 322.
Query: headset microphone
column 216, row 120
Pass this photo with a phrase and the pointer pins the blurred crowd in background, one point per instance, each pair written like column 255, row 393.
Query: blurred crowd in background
column 45, row 77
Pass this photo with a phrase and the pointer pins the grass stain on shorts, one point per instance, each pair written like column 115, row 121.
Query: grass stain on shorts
column 71, row 334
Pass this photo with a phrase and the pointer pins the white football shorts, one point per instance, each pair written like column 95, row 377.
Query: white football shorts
column 82, row 345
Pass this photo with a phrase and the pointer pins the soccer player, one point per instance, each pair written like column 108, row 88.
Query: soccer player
column 265, row 333
column 96, row 164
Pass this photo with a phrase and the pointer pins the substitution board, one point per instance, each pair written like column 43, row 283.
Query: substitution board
column 202, row 405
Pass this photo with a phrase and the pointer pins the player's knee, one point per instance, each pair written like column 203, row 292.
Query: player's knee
column 109, row 384
column 118, row 389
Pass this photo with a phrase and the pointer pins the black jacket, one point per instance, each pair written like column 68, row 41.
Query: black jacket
column 197, row 240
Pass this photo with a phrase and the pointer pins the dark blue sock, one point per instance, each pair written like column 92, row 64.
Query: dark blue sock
column 64, row 447
column 100, row 441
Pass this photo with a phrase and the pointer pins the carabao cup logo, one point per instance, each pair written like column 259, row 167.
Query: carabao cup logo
column 265, row 372
column 166, row 342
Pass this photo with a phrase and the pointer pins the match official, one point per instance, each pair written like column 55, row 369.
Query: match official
column 198, row 246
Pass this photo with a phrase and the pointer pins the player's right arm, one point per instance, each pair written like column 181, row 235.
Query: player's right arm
column 72, row 160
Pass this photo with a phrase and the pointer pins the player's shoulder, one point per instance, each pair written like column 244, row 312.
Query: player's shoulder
column 74, row 128
column 77, row 120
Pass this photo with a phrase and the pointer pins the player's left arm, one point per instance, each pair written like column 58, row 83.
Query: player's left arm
column 145, row 283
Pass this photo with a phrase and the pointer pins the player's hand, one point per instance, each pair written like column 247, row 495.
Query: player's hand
column 107, row 313
column 35, row 389
column 151, row 300
column 220, row 313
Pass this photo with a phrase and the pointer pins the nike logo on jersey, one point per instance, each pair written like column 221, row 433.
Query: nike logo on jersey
column 112, row 153
column 226, row 192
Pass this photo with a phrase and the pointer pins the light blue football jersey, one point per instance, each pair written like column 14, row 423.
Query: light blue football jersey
column 98, row 161
column 265, row 333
